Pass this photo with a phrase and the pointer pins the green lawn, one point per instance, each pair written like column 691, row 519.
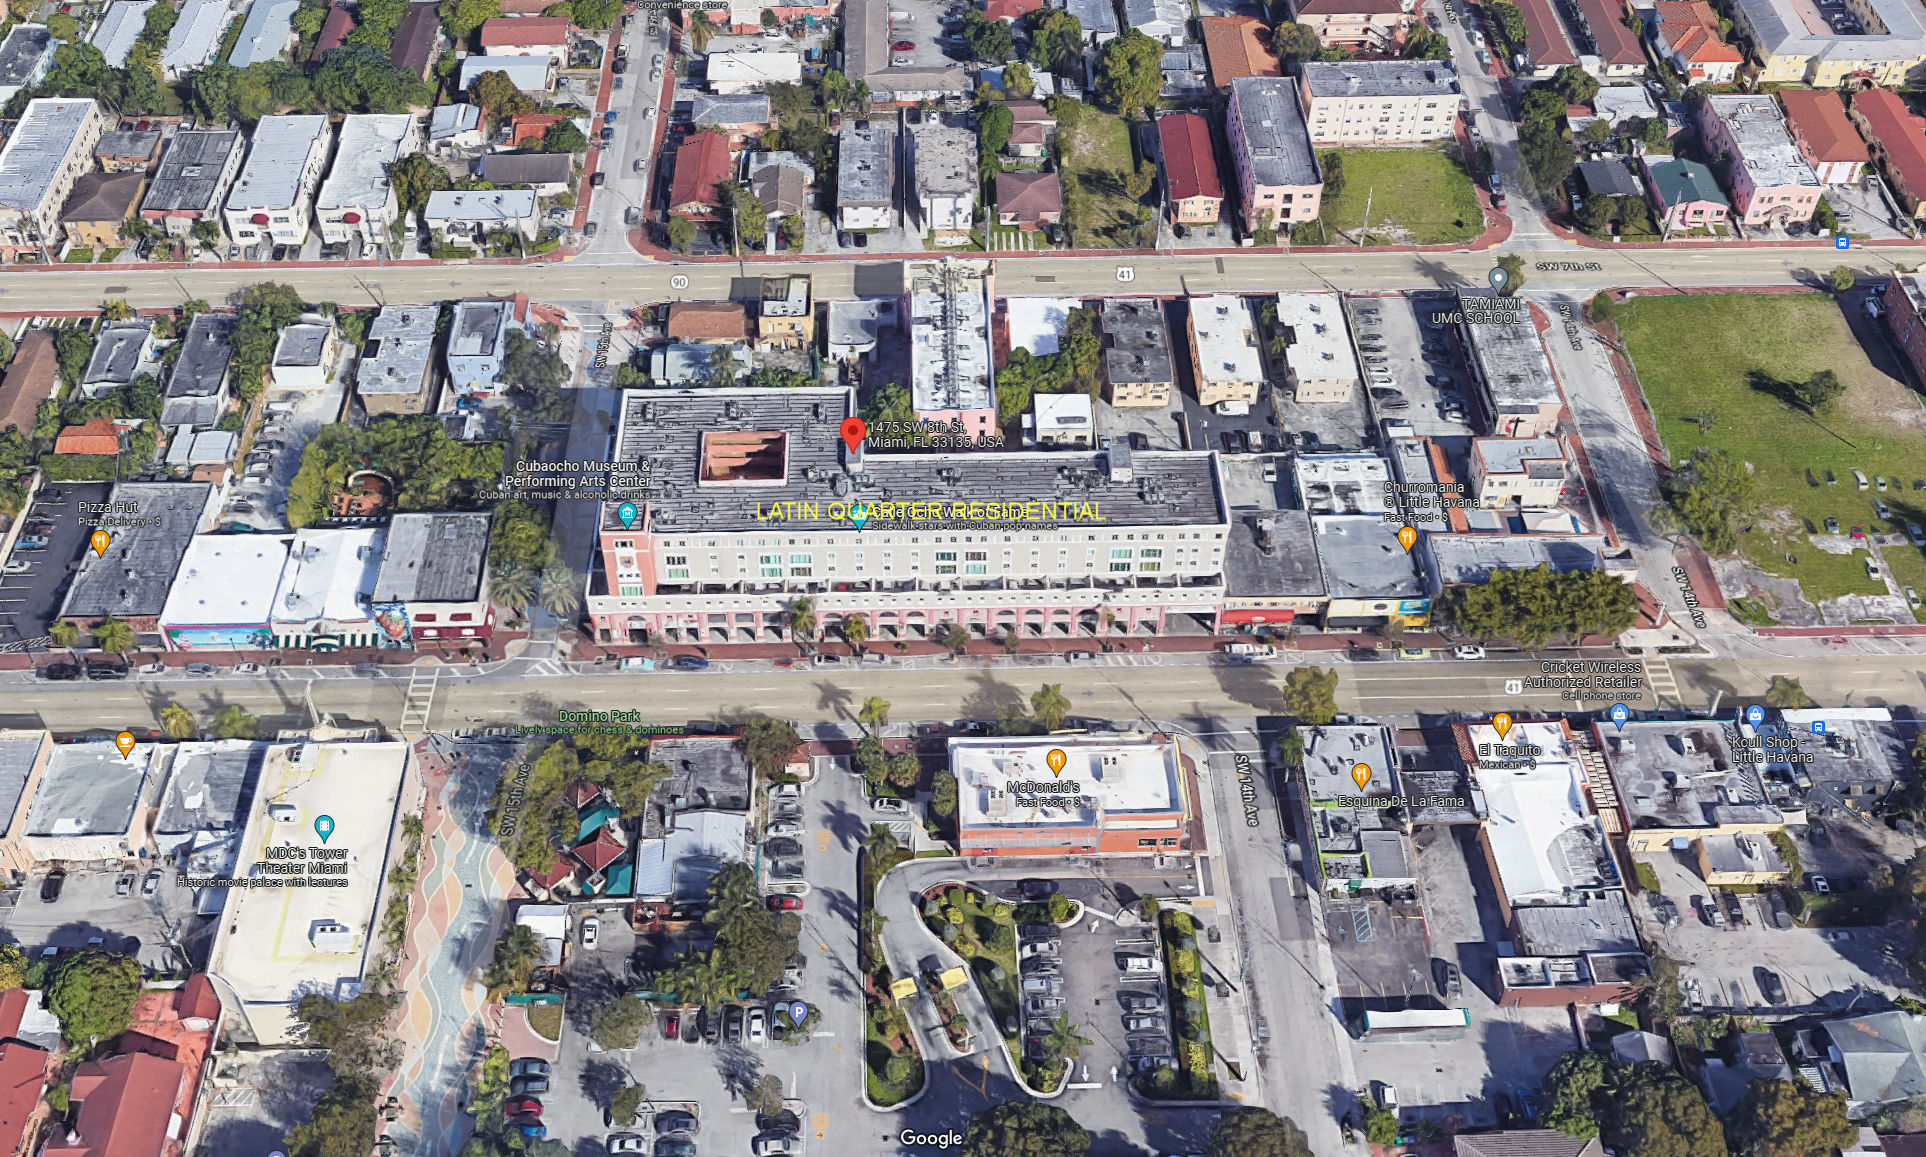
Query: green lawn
column 1419, row 196
column 1098, row 158
column 1703, row 353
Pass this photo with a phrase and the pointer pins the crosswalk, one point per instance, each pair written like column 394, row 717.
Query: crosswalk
column 419, row 701
column 1664, row 684
column 546, row 668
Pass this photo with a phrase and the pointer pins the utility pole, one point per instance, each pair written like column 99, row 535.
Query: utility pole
column 1366, row 231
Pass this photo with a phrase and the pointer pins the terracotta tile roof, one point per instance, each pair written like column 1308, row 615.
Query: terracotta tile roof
column 704, row 321
column 1691, row 28
column 701, row 164
column 1028, row 195
column 23, row 1077
column 558, row 871
column 524, row 32
column 1030, row 134
column 30, row 381
column 1190, row 164
column 1238, row 46
column 1524, row 1142
column 1898, row 134
column 1010, row 10
column 1820, row 125
column 1029, row 112
column 99, row 436
column 126, row 1105
column 1616, row 44
column 582, row 792
column 601, row 851
column 529, row 127
column 1545, row 40
column 334, row 32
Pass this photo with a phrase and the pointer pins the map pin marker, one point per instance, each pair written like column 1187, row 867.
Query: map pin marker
column 324, row 827
column 125, row 741
column 1755, row 714
column 99, row 540
column 1619, row 714
column 1501, row 723
column 1407, row 537
column 1360, row 774
column 853, row 430
column 1056, row 759
column 1498, row 277
column 626, row 513
column 859, row 514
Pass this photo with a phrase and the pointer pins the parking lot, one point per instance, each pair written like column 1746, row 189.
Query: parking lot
column 1080, row 973
column 275, row 454
column 35, row 580
column 160, row 930
column 1421, row 362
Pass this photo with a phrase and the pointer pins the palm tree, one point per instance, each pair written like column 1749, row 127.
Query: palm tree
column 879, row 842
column 559, row 595
column 956, row 637
column 1063, row 1040
column 802, row 619
column 700, row 30
column 874, row 714
column 235, row 723
column 856, row 632
column 512, row 587
column 114, row 635
column 63, row 632
column 1785, row 692
column 177, row 722
column 1049, row 706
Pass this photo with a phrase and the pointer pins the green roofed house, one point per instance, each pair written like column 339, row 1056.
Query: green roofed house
column 1684, row 194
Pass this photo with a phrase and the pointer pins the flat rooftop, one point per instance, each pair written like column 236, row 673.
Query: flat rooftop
column 18, row 752
column 226, row 580
column 1275, row 139
column 1507, row 352
column 1271, row 552
column 668, row 429
column 90, row 789
column 278, row 944
column 945, row 159
column 189, row 176
column 1137, row 346
column 997, row 781
column 1362, row 558
column 1862, row 748
column 1320, row 349
column 949, row 328
column 211, row 786
column 1603, row 923
column 1681, row 774
column 399, row 350
column 1793, row 28
column 271, row 176
column 477, row 329
column 856, row 323
column 329, row 571
column 865, row 168
column 131, row 578
column 1226, row 337
column 1467, row 559
column 369, row 143
column 1332, row 751
column 1765, row 145
column 1544, row 839
column 1379, row 78
column 706, row 773
column 302, row 344
column 433, row 558
column 37, row 147
column 1342, row 483
column 1541, row 457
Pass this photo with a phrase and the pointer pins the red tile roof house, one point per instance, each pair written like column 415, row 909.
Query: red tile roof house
column 334, row 33
column 1238, row 46
column 527, row 129
column 1193, row 189
column 23, row 1078
column 1898, row 140
column 526, row 36
column 1618, row 49
column 1032, row 129
column 1009, row 11
column 1688, row 39
column 142, row 1102
column 1028, row 200
column 701, row 164
column 1824, row 134
column 1547, row 48
column 99, row 436
column 1362, row 25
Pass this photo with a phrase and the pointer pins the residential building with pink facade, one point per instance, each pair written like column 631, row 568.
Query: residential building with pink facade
column 1684, row 194
column 1769, row 182
column 747, row 510
column 1271, row 154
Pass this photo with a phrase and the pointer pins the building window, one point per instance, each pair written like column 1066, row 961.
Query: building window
column 771, row 565
column 945, row 556
column 463, row 617
column 627, row 591
column 975, row 568
column 942, row 568
column 625, row 544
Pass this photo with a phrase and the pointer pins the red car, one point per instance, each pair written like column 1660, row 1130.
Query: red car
column 1858, row 532
column 902, row 46
column 785, row 903
column 517, row 1108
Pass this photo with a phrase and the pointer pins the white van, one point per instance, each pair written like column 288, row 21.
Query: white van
column 1255, row 650
column 1232, row 409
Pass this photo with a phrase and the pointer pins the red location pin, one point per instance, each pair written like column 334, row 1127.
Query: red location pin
column 854, row 431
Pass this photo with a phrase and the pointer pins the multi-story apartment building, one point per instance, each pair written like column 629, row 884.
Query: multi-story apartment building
column 1359, row 25
column 477, row 343
column 271, row 201
column 1793, row 46
column 1770, row 183
column 1271, row 153
column 26, row 57
column 1224, row 358
column 431, row 588
column 1517, row 392
column 943, row 159
column 1137, row 370
column 1529, row 472
column 1824, row 134
column 1898, row 146
column 866, row 175
column 1905, row 300
column 748, row 505
column 464, row 218
column 51, row 146
column 193, row 178
column 948, row 307
column 1373, row 102
column 1192, row 188
column 357, row 201
column 1319, row 360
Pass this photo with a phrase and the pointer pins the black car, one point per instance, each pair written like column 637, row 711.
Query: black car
column 861, row 240
column 58, row 672
column 689, row 662
column 1231, row 441
column 97, row 669
column 676, row 1121
column 1770, row 985
column 50, row 887
column 621, row 65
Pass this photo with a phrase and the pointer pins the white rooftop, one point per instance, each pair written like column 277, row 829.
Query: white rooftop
column 1320, row 349
column 265, row 33
column 450, row 120
column 949, row 335
column 368, row 144
column 196, row 34
column 36, row 149
column 1342, row 483
column 226, row 579
column 1037, row 323
column 329, row 575
column 119, row 28
column 1064, row 414
column 1116, row 779
column 480, row 206
column 1765, row 145
column 754, row 67
column 1537, row 819
column 271, row 176
column 1226, row 339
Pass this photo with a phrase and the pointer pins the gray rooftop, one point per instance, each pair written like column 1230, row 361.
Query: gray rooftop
column 1608, row 178
column 211, row 786
column 265, row 33
column 119, row 29
column 20, row 53
column 1288, row 569
column 949, row 328
column 666, row 428
column 127, row 143
column 1368, row 78
column 271, row 177
column 117, row 353
column 1884, row 1055
column 1331, row 751
column 37, row 146
column 1096, row 16
column 450, row 120
column 944, row 159
column 1681, row 774
column 133, row 575
column 1765, row 145
column 476, row 328
column 1601, row 924
column 480, row 206
column 88, row 789
column 302, row 344
column 18, row 750
column 400, row 346
column 433, row 558
column 1782, row 29
column 1361, row 558
column 706, row 773
column 866, row 163
column 1862, row 753
column 856, row 323
column 359, row 178
column 527, row 168
column 1542, row 457
column 867, row 37
column 202, row 364
column 785, row 297
column 1411, row 461
column 1464, row 559
column 1274, row 136
column 744, row 108
column 1508, row 353
column 1138, row 349
column 190, row 171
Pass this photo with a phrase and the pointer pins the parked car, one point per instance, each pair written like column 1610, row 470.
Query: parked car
column 57, row 672
column 732, row 1024
column 758, row 1026
column 625, row 1143
column 1832, row 525
column 1451, row 984
column 124, row 885
column 675, row 1145
column 200, row 670
column 1821, row 886
column 152, row 883
column 590, row 928
column 1770, row 986
column 523, row 1086
column 1468, row 651
column 51, row 886
column 889, row 805
column 676, row 1121
column 689, row 663
column 785, row 903
column 773, row 1146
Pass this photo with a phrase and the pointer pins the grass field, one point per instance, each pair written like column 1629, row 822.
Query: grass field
column 1703, row 353
column 1098, row 159
column 1419, row 196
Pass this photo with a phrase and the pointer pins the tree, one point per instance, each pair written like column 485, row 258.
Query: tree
column 359, row 77
column 93, row 994
column 872, row 763
column 682, row 234
column 1709, row 494
column 1789, row 1119
column 1818, row 392
column 564, row 137
column 746, row 215
column 112, row 634
column 512, row 587
column 1575, row 84
column 768, row 745
column 943, row 795
column 13, row 966
column 558, row 591
column 1130, row 72
column 628, row 783
column 177, row 722
column 1049, row 706
column 1514, row 267
column 1063, row 1040
column 856, row 632
column 516, row 955
column 1547, row 153
column 1424, row 44
column 342, row 1122
column 1657, row 1113
column 1572, row 1092
column 988, row 39
column 1381, row 1126
column 874, row 714
column 619, row 1024
column 1017, row 81
column 235, row 723
column 63, row 632
column 904, row 770
column 414, row 178
column 802, row 619
column 625, row 1102
column 1024, row 1129
column 496, row 93
column 1841, row 278
column 73, row 346
column 1294, row 43
column 700, row 30
column 1785, row 693
column 461, row 17
column 1310, row 694
column 1533, row 606
column 1824, row 218
column 1257, row 1133
column 1056, row 39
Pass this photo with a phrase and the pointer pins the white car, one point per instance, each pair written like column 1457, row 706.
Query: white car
column 1872, row 569
column 888, row 805
column 758, row 1027
column 773, row 1146
column 783, row 828
column 1468, row 651
column 625, row 1143
column 590, row 927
